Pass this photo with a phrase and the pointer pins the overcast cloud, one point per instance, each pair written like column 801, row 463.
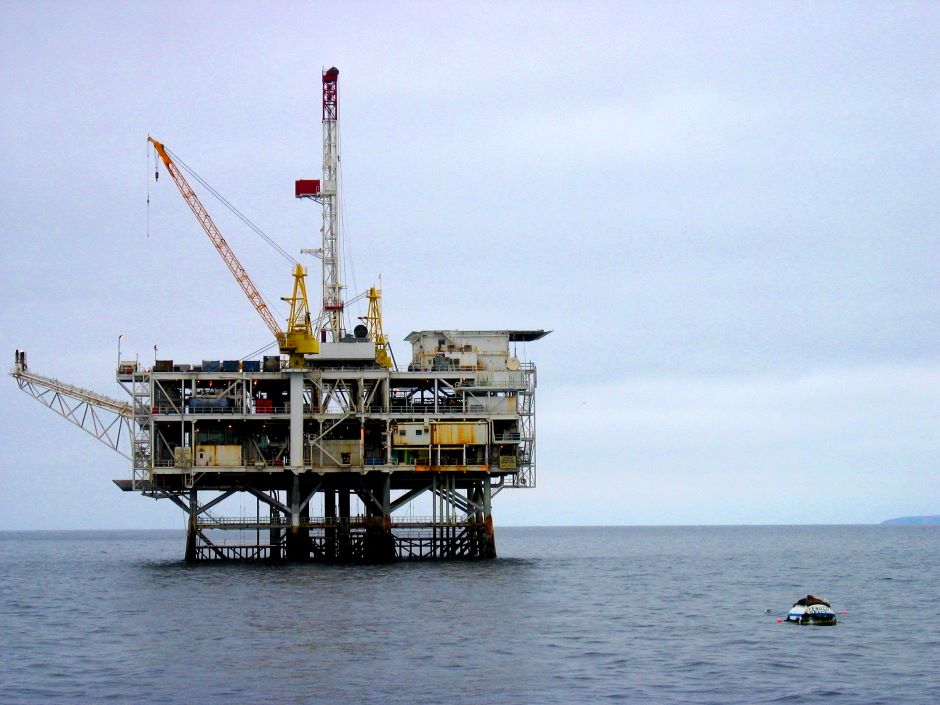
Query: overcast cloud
column 726, row 212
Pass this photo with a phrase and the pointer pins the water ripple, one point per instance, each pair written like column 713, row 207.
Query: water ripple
column 621, row 615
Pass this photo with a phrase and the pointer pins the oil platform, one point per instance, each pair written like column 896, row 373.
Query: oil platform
column 333, row 443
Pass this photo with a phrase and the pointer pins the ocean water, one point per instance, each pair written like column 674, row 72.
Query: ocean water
column 565, row 615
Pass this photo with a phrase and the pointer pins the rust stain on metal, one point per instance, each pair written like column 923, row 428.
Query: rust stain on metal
column 459, row 434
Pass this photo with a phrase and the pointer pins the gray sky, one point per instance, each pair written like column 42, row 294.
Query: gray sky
column 727, row 213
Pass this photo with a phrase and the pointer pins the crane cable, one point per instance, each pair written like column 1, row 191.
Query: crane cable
column 348, row 270
column 222, row 199
column 228, row 204
column 148, row 191
column 257, row 352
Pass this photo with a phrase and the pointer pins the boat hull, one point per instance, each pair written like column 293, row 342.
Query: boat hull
column 820, row 615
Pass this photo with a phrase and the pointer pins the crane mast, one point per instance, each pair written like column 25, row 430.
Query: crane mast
column 299, row 338
column 331, row 316
column 215, row 235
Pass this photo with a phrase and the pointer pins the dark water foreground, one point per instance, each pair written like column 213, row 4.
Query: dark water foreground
column 574, row 615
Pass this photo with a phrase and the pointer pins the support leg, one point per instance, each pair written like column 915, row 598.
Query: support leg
column 329, row 515
column 344, row 546
column 191, row 527
column 275, row 535
column 380, row 543
column 297, row 548
column 489, row 539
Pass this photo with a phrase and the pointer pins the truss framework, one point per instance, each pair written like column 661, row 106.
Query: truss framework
column 105, row 418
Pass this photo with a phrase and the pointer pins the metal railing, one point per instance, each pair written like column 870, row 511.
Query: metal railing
column 426, row 409
column 167, row 410
column 507, row 437
column 359, row 521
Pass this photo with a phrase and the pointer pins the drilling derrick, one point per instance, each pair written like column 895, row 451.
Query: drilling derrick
column 331, row 317
column 343, row 455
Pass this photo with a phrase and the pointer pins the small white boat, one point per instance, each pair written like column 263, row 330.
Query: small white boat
column 812, row 610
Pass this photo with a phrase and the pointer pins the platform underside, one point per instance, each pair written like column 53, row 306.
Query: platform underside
column 283, row 527
column 350, row 542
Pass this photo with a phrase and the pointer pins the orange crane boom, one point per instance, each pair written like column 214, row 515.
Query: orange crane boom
column 228, row 256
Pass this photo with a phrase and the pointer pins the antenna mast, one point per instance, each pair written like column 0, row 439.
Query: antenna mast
column 331, row 317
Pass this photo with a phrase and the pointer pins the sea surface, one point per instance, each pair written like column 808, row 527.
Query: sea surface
column 565, row 615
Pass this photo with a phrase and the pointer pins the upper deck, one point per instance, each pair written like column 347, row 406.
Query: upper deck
column 465, row 404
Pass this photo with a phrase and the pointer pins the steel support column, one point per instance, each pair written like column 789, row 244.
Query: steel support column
column 191, row 527
column 379, row 541
column 298, row 540
column 489, row 545
column 296, row 419
column 274, row 534
column 343, row 537
column 329, row 520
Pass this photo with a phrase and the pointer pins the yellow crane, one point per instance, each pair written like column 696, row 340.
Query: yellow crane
column 373, row 320
column 298, row 339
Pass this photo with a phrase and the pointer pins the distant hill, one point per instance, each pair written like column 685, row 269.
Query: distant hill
column 914, row 521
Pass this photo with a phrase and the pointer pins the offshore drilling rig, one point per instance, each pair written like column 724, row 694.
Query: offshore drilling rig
column 332, row 441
